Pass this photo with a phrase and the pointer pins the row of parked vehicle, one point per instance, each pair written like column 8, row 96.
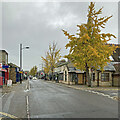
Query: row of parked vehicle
column 32, row 78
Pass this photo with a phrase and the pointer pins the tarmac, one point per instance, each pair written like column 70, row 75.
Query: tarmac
column 113, row 92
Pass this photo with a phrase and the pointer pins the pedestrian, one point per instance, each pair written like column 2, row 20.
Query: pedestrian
column 20, row 79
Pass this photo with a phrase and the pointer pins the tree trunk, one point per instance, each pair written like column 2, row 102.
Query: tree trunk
column 88, row 76
column 98, row 79
column 85, row 78
column 52, row 75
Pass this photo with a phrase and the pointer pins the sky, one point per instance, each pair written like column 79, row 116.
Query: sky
column 38, row 24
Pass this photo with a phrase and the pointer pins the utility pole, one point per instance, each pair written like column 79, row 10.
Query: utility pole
column 21, row 48
column 20, row 57
column 20, row 63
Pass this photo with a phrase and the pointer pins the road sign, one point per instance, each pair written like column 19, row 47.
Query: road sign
column 21, row 72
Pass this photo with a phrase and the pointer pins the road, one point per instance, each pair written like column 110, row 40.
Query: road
column 50, row 100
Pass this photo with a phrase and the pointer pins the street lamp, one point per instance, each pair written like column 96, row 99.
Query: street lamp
column 21, row 48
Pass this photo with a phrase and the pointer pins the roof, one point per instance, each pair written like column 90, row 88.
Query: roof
column 116, row 65
column 109, row 67
column 3, row 51
column 116, row 54
column 12, row 65
column 71, row 67
column 61, row 64
column 79, row 71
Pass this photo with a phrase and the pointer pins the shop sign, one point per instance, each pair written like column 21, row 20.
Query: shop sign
column 21, row 72
column 9, row 83
column 3, row 70
column 5, row 66
column 17, row 69
column 0, row 65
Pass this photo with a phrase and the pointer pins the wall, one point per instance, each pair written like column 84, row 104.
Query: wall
column 3, row 57
column 116, row 79
column 101, row 83
column 12, row 74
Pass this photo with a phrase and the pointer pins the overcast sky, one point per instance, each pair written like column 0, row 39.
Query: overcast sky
column 37, row 24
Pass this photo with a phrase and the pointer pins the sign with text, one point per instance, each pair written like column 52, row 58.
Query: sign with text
column 21, row 72
column 0, row 65
column 5, row 66
column 9, row 83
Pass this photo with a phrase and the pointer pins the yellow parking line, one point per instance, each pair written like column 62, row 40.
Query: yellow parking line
column 8, row 115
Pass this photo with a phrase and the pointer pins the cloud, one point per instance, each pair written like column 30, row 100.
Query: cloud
column 37, row 24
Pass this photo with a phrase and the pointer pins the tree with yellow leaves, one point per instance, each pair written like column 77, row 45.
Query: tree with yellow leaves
column 89, row 48
column 52, row 57
column 33, row 71
column 46, row 63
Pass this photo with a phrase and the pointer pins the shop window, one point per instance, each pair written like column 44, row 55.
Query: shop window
column 93, row 76
column 60, row 77
column 73, row 77
column 105, row 77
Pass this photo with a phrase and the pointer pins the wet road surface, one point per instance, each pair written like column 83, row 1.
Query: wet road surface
column 49, row 100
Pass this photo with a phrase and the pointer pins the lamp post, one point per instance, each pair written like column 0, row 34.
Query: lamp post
column 21, row 48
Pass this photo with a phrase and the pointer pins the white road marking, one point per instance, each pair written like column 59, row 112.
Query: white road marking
column 114, row 93
column 4, row 94
column 27, row 102
column 99, row 93
column 102, row 94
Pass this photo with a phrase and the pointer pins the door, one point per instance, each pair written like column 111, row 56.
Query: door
column 80, row 78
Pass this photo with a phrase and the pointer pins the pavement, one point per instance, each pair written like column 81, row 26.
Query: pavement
column 14, row 87
column 10, row 99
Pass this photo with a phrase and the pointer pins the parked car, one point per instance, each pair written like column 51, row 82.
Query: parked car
column 30, row 77
column 34, row 78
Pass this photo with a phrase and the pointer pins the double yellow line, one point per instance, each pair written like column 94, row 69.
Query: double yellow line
column 8, row 115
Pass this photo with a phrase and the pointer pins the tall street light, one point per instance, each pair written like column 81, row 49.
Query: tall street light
column 21, row 48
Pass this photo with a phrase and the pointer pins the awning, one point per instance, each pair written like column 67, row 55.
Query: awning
column 5, row 66
column 3, row 70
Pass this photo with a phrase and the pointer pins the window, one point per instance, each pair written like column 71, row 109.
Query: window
column 65, row 76
column 60, row 77
column 105, row 77
column 73, row 77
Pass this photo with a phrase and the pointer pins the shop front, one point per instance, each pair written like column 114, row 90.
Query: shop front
column 4, row 74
